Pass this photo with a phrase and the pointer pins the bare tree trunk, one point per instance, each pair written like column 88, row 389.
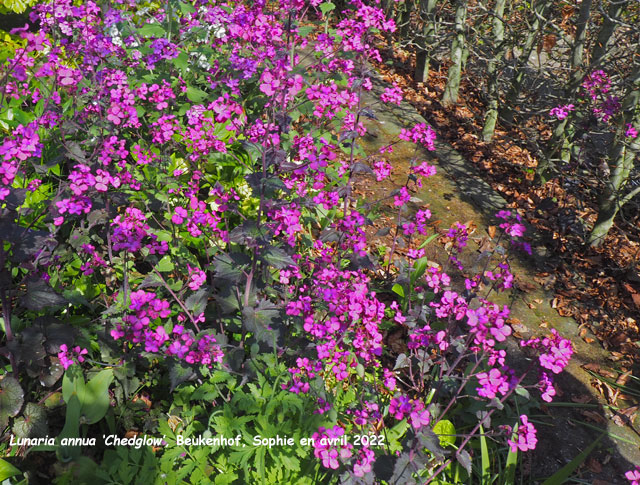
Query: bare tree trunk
column 457, row 53
column 609, row 24
column 403, row 19
column 423, row 56
column 498, row 52
column 623, row 153
column 540, row 8
column 562, row 142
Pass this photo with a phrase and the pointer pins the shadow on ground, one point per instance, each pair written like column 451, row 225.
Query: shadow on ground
column 457, row 193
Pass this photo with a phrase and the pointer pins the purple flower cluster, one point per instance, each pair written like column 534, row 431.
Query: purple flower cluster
column 414, row 409
column 331, row 446
column 526, row 438
column 561, row 112
column 420, row 134
column 597, row 86
column 68, row 357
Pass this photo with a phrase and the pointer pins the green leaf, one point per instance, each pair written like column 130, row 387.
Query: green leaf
column 226, row 478
column 398, row 290
column 305, row 31
column 182, row 61
column 186, row 8
column 419, row 267
column 484, row 453
column 512, row 460
column 17, row 6
column 93, row 396
column 428, row 240
column 11, row 396
column 196, row 95
column 521, row 391
column 71, row 429
column 7, row 470
column 154, row 29
column 327, row 7
column 565, row 472
column 165, row 264
column 97, row 398
column 445, row 431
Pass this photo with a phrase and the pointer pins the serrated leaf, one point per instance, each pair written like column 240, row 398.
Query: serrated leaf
column 402, row 361
column 326, row 7
column 11, row 396
column 277, row 258
column 26, row 242
column 464, row 458
column 151, row 281
column 261, row 320
column 15, row 198
column 429, row 440
column 155, row 30
column 75, row 152
column 383, row 466
column 403, row 471
column 197, row 302
column 305, row 31
column 186, row 8
column 179, row 373
column 360, row 167
column 40, row 296
column 228, row 267
column 181, row 61
column 33, row 424
column 165, row 264
column 246, row 232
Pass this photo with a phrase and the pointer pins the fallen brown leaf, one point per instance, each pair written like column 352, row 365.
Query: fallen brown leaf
column 593, row 416
column 594, row 465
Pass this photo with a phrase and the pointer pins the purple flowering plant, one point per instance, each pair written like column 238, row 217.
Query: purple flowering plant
column 178, row 209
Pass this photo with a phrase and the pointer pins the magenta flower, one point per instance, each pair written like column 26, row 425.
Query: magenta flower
column 329, row 445
column 492, row 382
column 631, row 131
column 67, row 356
column 402, row 198
column 392, row 95
column 561, row 112
column 197, row 278
column 633, row 476
column 526, row 439
column 382, row 169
